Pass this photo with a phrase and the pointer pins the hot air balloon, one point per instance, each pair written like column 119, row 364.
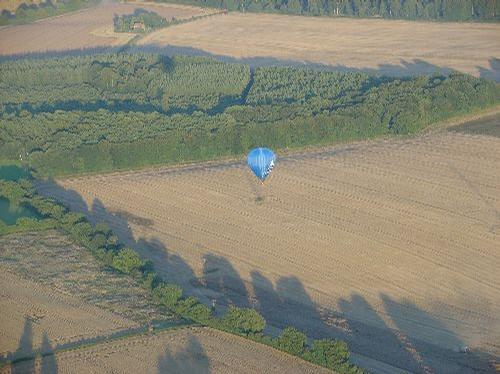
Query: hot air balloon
column 261, row 162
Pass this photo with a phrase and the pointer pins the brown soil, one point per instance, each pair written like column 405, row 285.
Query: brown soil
column 193, row 350
column 392, row 245
column 32, row 312
column 383, row 46
column 88, row 28
column 51, row 259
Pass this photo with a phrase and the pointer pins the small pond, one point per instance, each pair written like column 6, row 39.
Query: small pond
column 13, row 172
column 9, row 213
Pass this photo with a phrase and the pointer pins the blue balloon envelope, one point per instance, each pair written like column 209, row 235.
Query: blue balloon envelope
column 261, row 162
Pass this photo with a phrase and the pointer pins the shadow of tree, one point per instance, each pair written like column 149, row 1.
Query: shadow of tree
column 410, row 320
column 191, row 359
column 287, row 303
column 25, row 349
column 49, row 362
column 405, row 68
column 222, row 278
column 25, row 355
column 369, row 333
column 493, row 73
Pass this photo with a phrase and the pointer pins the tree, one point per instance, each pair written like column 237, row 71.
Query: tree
column 328, row 353
column 394, row 8
column 167, row 294
column 127, row 261
column 457, row 10
column 244, row 321
column 292, row 341
column 409, row 9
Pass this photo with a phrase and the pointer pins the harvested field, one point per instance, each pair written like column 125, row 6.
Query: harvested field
column 88, row 28
column 193, row 350
column 38, row 317
column 384, row 46
column 391, row 245
column 51, row 259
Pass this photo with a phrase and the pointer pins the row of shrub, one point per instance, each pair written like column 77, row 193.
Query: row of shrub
column 442, row 10
column 106, row 247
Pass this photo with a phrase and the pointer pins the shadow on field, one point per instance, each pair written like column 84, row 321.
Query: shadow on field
column 493, row 73
column 49, row 363
column 386, row 335
column 407, row 317
column 24, row 356
column 191, row 359
column 405, row 68
column 25, row 349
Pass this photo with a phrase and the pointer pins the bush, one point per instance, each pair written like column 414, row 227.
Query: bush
column 27, row 222
column 71, row 218
column 331, row 354
column 127, row 261
column 150, row 280
column 103, row 228
column 82, row 232
column 199, row 313
column 292, row 341
column 243, row 321
column 13, row 191
column 3, row 227
column 112, row 242
column 98, row 241
column 105, row 256
column 167, row 294
column 183, row 306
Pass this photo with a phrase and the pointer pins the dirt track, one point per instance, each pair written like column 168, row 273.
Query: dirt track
column 193, row 351
column 55, row 295
column 392, row 245
column 32, row 313
column 384, row 46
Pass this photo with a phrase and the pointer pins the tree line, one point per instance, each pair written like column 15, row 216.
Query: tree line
column 442, row 10
column 279, row 107
column 28, row 13
column 105, row 246
column 121, row 82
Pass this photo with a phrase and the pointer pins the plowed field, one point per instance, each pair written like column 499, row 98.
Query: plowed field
column 193, row 350
column 392, row 245
column 384, row 46
column 88, row 28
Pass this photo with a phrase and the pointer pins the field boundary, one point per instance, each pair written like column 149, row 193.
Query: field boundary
column 460, row 120
column 144, row 330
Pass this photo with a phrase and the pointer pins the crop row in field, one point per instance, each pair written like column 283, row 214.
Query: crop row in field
column 391, row 238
